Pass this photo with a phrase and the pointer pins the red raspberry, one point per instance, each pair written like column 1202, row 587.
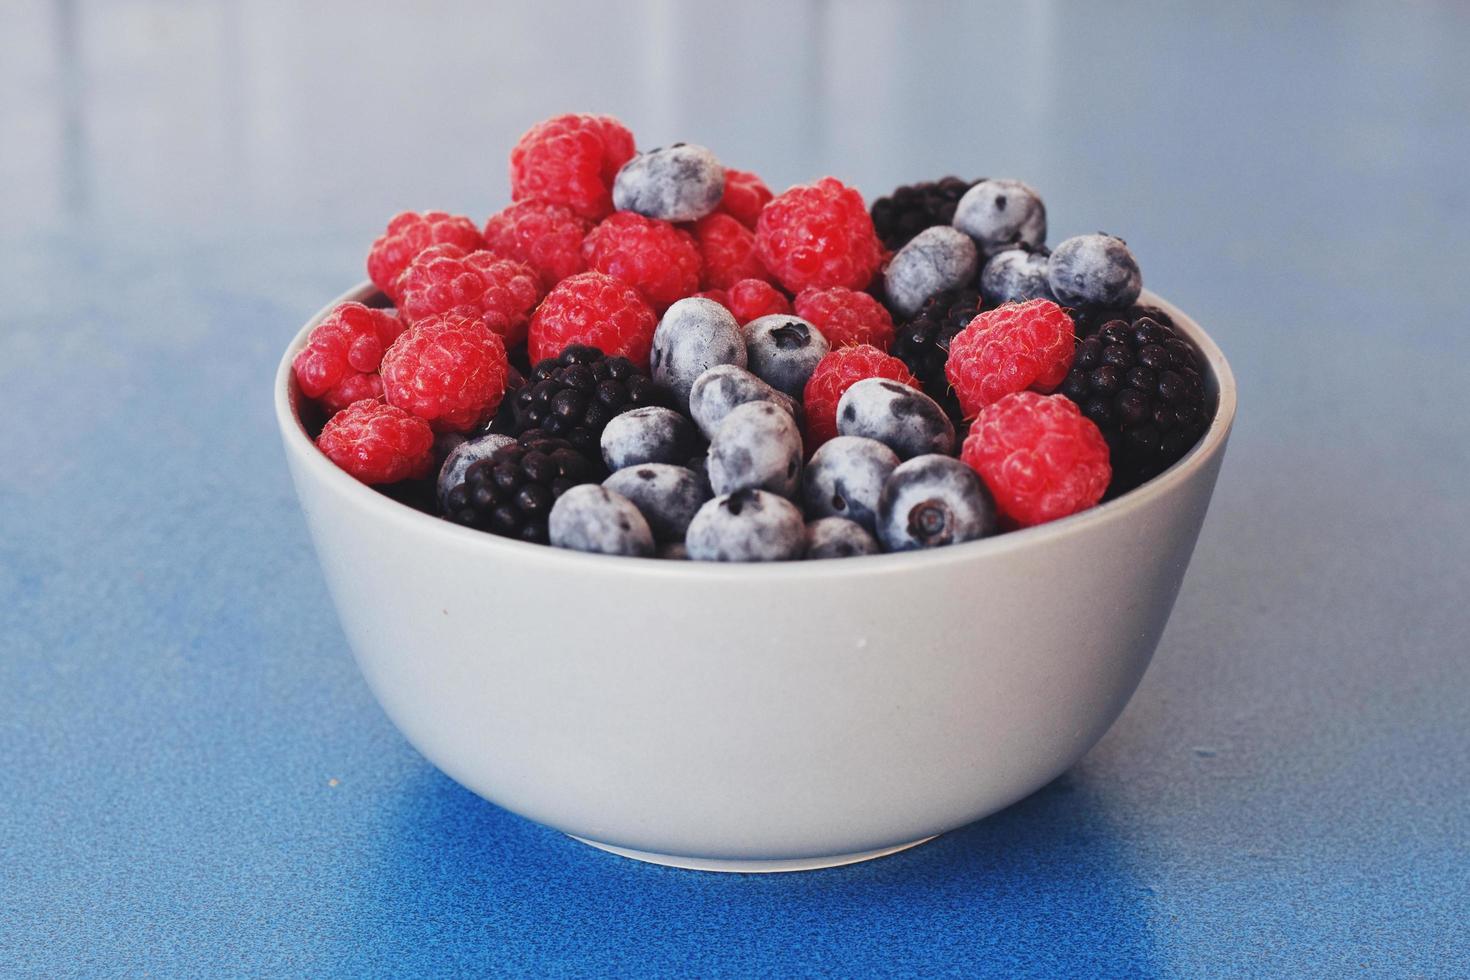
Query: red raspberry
column 596, row 309
column 378, row 443
column 846, row 316
column 659, row 259
column 750, row 299
column 838, row 371
column 500, row 293
column 409, row 234
column 571, row 160
column 1040, row 457
column 745, row 195
column 728, row 250
column 1012, row 348
column 547, row 237
column 819, row 235
column 449, row 370
column 339, row 364
column 718, row 295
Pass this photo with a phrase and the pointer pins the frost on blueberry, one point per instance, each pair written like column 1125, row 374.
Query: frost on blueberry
column 694, row 335
column 837, row 537
column 682, row 182
column 1000, row 214
column 748, row 525
column 668, row 496
column 720, row 390
column 932, row 501
column 757, row 446
column 937, row 259
column 783, row 351
column 593, row 518
column 1015, row 276
column 845, row 477
column 1094, row 270
column 647, row 435
column 902, row 418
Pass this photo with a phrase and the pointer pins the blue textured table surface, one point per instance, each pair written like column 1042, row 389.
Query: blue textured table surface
column 193, row 778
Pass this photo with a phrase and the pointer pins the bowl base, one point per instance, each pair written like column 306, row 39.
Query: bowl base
column 754, row 866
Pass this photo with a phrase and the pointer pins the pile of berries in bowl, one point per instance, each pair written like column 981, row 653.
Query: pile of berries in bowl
column 649, row 354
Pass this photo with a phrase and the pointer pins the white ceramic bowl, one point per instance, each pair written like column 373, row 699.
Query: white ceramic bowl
column 755, row 717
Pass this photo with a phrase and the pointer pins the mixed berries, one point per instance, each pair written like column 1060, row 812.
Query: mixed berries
column 651, row 354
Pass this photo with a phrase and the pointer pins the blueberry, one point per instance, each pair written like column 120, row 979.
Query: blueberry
column 1001, row 214
column 721, row 389
column 931, row 501
column 902, row 418
column 470, row 451
column 682, row 182
column 699, row 466
column 647, row 435
column 936, row 259
column 844, row 478
column 1015, row 276
column 592, row 518
column 783, row 351
column 757, row 446
column 748, row 525
column 667, row 496
column 694, row 335
column 837, row 537
column 1094, row 270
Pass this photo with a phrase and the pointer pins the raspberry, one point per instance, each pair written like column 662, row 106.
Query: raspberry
column 660, row 260
column 547, row 237
column 1040, row 457
column 1009, row 349
column 912, row 208
column 409, row 234
column 718, row 295
column 378, row 443
column 571, row 160
column 819, row 235
column 447, row 369
column 846, row 317
column 728, row 250
column 596, row 309
column 745, row 196
column 750, row 299
column 339, row 364
column 500, row 293
column 837, row 372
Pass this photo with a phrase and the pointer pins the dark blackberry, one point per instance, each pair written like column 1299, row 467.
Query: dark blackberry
column 922, row 343
column 510, row 492
column 912, row 208
column 572, row 397
column 1141, row 384
column 1088, row 320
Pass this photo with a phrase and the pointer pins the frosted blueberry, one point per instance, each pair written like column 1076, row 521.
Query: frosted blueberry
column 647, row 435
column 592, row 518
column 682, row 182
column 931, row 501
column 837, row 537
column 720, row 390
column 699, row 466
column 748, row 525
column 1094, row 270
column 470, row 451
column 757, row 446
column 936, row 259
column 844, row 478
column 783, row 351
column 1015, row 276
column 667, row 496
column 694, row 335
column 1001, row 214
column 902, row 418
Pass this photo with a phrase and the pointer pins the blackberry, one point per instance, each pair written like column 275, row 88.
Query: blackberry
column 1141, row 384
column 922, row 343
column 573, row 396
column 1089, row 319
column 510, row 492
column 912, row 208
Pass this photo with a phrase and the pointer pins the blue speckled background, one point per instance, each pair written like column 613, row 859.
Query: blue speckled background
column 193, row 779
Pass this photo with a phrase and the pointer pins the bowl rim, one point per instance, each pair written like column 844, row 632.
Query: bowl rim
column 318, row 467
